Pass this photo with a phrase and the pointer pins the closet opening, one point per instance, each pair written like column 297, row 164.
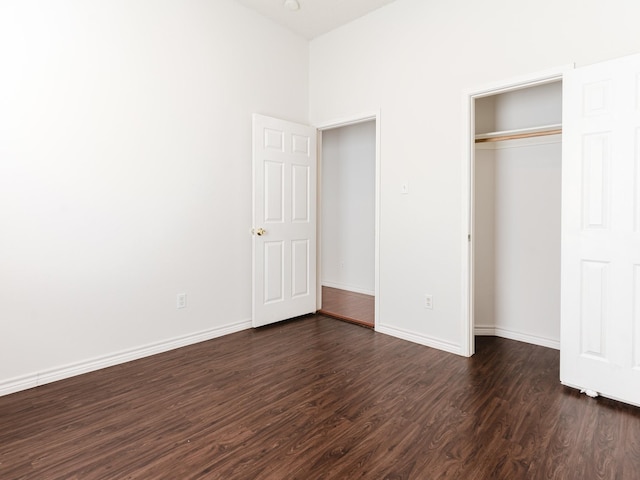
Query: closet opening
column 514, row 194
column 348, row 222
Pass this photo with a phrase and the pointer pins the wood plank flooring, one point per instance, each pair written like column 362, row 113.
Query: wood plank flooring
column 349, row 306
column 316, row 398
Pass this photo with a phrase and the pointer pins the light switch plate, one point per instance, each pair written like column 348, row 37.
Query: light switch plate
column 181, row 300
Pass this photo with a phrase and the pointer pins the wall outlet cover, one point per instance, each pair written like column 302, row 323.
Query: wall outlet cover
column 428, row 302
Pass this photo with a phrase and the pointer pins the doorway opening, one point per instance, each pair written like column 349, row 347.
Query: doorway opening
column 512, row 191
column 348, row 221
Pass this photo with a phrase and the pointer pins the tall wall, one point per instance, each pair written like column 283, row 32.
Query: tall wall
column 125, row 174
column 413, row 59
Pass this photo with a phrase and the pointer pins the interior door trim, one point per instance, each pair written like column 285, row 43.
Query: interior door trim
column 467, row 337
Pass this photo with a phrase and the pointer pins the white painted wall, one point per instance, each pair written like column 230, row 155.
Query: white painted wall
column 522, row 270
column 412, row 60
column 125, row 140
column 348, row 207
column 125, row 172
column 536, row 106
column 527, row 236
column 484, row 243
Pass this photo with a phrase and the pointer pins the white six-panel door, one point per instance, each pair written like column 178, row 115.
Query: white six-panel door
column 600, row 332
column 284, row 220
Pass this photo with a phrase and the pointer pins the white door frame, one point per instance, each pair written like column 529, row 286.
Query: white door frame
column 467, row 346
column 343, row 122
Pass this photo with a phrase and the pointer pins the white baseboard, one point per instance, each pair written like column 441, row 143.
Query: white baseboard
column 348, row 288
column 486, row 330
column 420, row 339
column 47, row 376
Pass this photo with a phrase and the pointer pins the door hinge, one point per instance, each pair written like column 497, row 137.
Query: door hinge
column 469, row 237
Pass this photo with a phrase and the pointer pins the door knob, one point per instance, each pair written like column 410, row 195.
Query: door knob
column 259, row 231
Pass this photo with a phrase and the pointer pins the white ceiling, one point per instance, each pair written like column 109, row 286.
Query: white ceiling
column 315, row 17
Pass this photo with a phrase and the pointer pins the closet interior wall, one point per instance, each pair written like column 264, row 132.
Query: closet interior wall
column 516, row 231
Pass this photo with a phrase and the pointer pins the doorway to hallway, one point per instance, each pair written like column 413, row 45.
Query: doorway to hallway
column 348, row 222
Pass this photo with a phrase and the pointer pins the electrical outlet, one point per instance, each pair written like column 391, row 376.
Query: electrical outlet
column 181, row 300
column 428, row 302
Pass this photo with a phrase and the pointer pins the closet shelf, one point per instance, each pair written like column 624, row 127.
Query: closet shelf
column 554, row 129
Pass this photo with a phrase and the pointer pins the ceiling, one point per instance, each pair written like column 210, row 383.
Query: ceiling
column 314, row 17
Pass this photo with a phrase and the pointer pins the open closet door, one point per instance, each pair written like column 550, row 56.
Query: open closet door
column 284, row 220
column 600, row 326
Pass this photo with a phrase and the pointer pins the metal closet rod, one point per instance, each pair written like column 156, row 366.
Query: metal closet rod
column 515, row 135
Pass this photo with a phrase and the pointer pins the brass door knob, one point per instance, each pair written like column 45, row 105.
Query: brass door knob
column 259, row 231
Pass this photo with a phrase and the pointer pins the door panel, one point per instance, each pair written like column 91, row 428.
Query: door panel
column 636, row 316
column 284, row 220
column 273, row 272
column 600, row 236
column 273, row 192
column 301, row 176
column 593, row 319
column 595, row 182
column 300, row 270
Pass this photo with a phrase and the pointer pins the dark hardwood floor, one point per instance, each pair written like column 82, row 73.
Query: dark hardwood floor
column 317, row 398
column 349, row 306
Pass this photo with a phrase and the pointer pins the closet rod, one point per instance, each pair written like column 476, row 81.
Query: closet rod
column 514, row 136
